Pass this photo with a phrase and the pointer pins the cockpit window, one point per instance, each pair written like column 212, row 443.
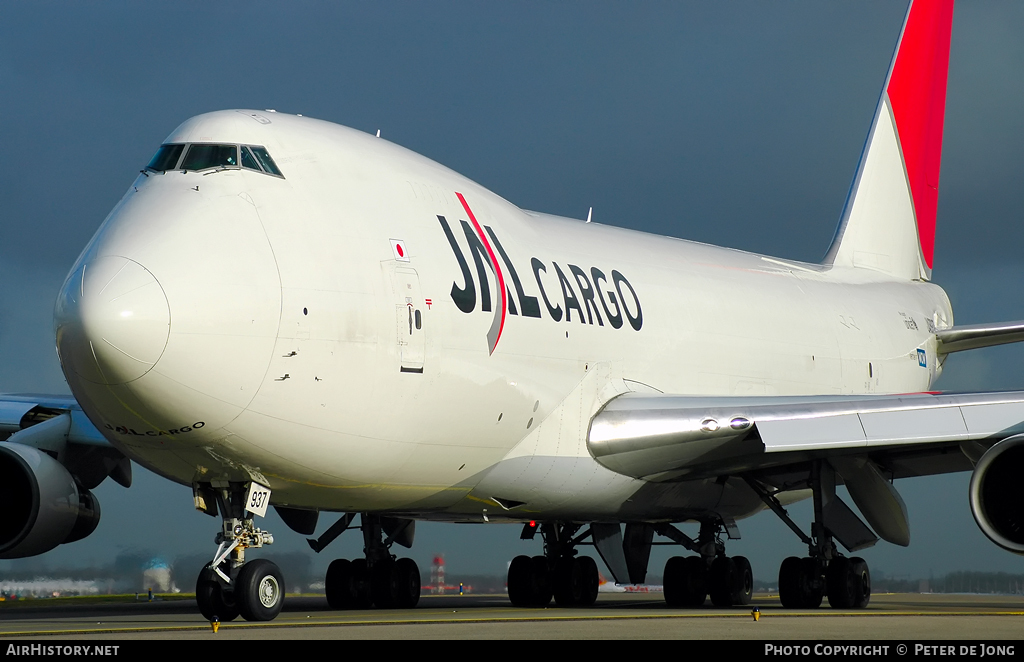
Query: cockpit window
column 248, row 160
column 202, row 156
column 166, row 158
column 266, row 162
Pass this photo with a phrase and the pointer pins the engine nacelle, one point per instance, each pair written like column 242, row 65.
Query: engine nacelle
column 42, row 505
column 997, row 493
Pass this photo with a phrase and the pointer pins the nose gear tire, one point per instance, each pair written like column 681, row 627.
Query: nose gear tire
column 259, row 590
column 213, row 600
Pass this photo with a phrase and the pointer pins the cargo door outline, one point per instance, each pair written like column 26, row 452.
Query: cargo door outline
column 409, row 327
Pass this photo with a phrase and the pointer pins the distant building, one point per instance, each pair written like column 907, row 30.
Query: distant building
column 157, row 576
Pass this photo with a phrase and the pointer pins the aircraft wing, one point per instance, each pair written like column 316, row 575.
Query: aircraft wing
column 666, row 437
column 20, row 411
column 57, row 425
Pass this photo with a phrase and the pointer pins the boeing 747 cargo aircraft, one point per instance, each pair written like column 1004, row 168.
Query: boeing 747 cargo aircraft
column 286, row 312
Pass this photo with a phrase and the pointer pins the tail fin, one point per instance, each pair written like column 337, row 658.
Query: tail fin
column 888, row 223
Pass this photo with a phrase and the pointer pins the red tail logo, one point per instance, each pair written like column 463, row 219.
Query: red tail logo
column 917, row 94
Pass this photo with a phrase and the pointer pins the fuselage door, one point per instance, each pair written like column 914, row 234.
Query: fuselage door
column 409, row 319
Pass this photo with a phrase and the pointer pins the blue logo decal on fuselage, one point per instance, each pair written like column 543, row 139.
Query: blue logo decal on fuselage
column 922, row 358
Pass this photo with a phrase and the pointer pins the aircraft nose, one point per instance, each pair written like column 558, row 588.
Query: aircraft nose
column 112, row 321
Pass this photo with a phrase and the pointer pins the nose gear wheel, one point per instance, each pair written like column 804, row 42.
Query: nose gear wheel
column 228, row 587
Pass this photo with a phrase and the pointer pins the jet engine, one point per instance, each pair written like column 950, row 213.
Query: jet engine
column 997, row 493
column 42, row 503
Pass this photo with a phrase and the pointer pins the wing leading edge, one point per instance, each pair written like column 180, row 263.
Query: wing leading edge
column 666, row 437
column 782, row 444
column 56, row 425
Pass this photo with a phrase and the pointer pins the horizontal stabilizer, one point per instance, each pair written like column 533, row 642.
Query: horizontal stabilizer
column 960, row 338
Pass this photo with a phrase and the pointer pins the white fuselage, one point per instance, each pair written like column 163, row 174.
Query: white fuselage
column 290, row 354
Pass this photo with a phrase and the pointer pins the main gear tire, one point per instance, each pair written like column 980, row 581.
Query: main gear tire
column 405, row 579
column 567, row 582
column 686, row 581
column 723, row 579
column 742, row 588
column 338, row 585
column 591, row 581
column 362, row 587
column 382, row 586
column 811, row 586
column 790, row 594
column 519, row 581
column 540, row 581
column 861, row 582
column 840, row 583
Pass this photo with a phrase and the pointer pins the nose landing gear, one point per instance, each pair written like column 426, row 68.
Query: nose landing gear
column 228, row 586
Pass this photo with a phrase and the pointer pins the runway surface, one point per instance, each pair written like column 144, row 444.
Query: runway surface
column 896, row 617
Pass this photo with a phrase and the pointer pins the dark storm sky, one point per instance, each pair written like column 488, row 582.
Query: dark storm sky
column 731, row 123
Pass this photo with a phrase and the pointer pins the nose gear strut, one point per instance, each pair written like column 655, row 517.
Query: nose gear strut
column 229, row 586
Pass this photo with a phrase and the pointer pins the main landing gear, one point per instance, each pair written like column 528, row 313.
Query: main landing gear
column 805, row 582
column 378, row 580
column 688, row 581
column 573, row 580
column 560, row 574
column 229, row 586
